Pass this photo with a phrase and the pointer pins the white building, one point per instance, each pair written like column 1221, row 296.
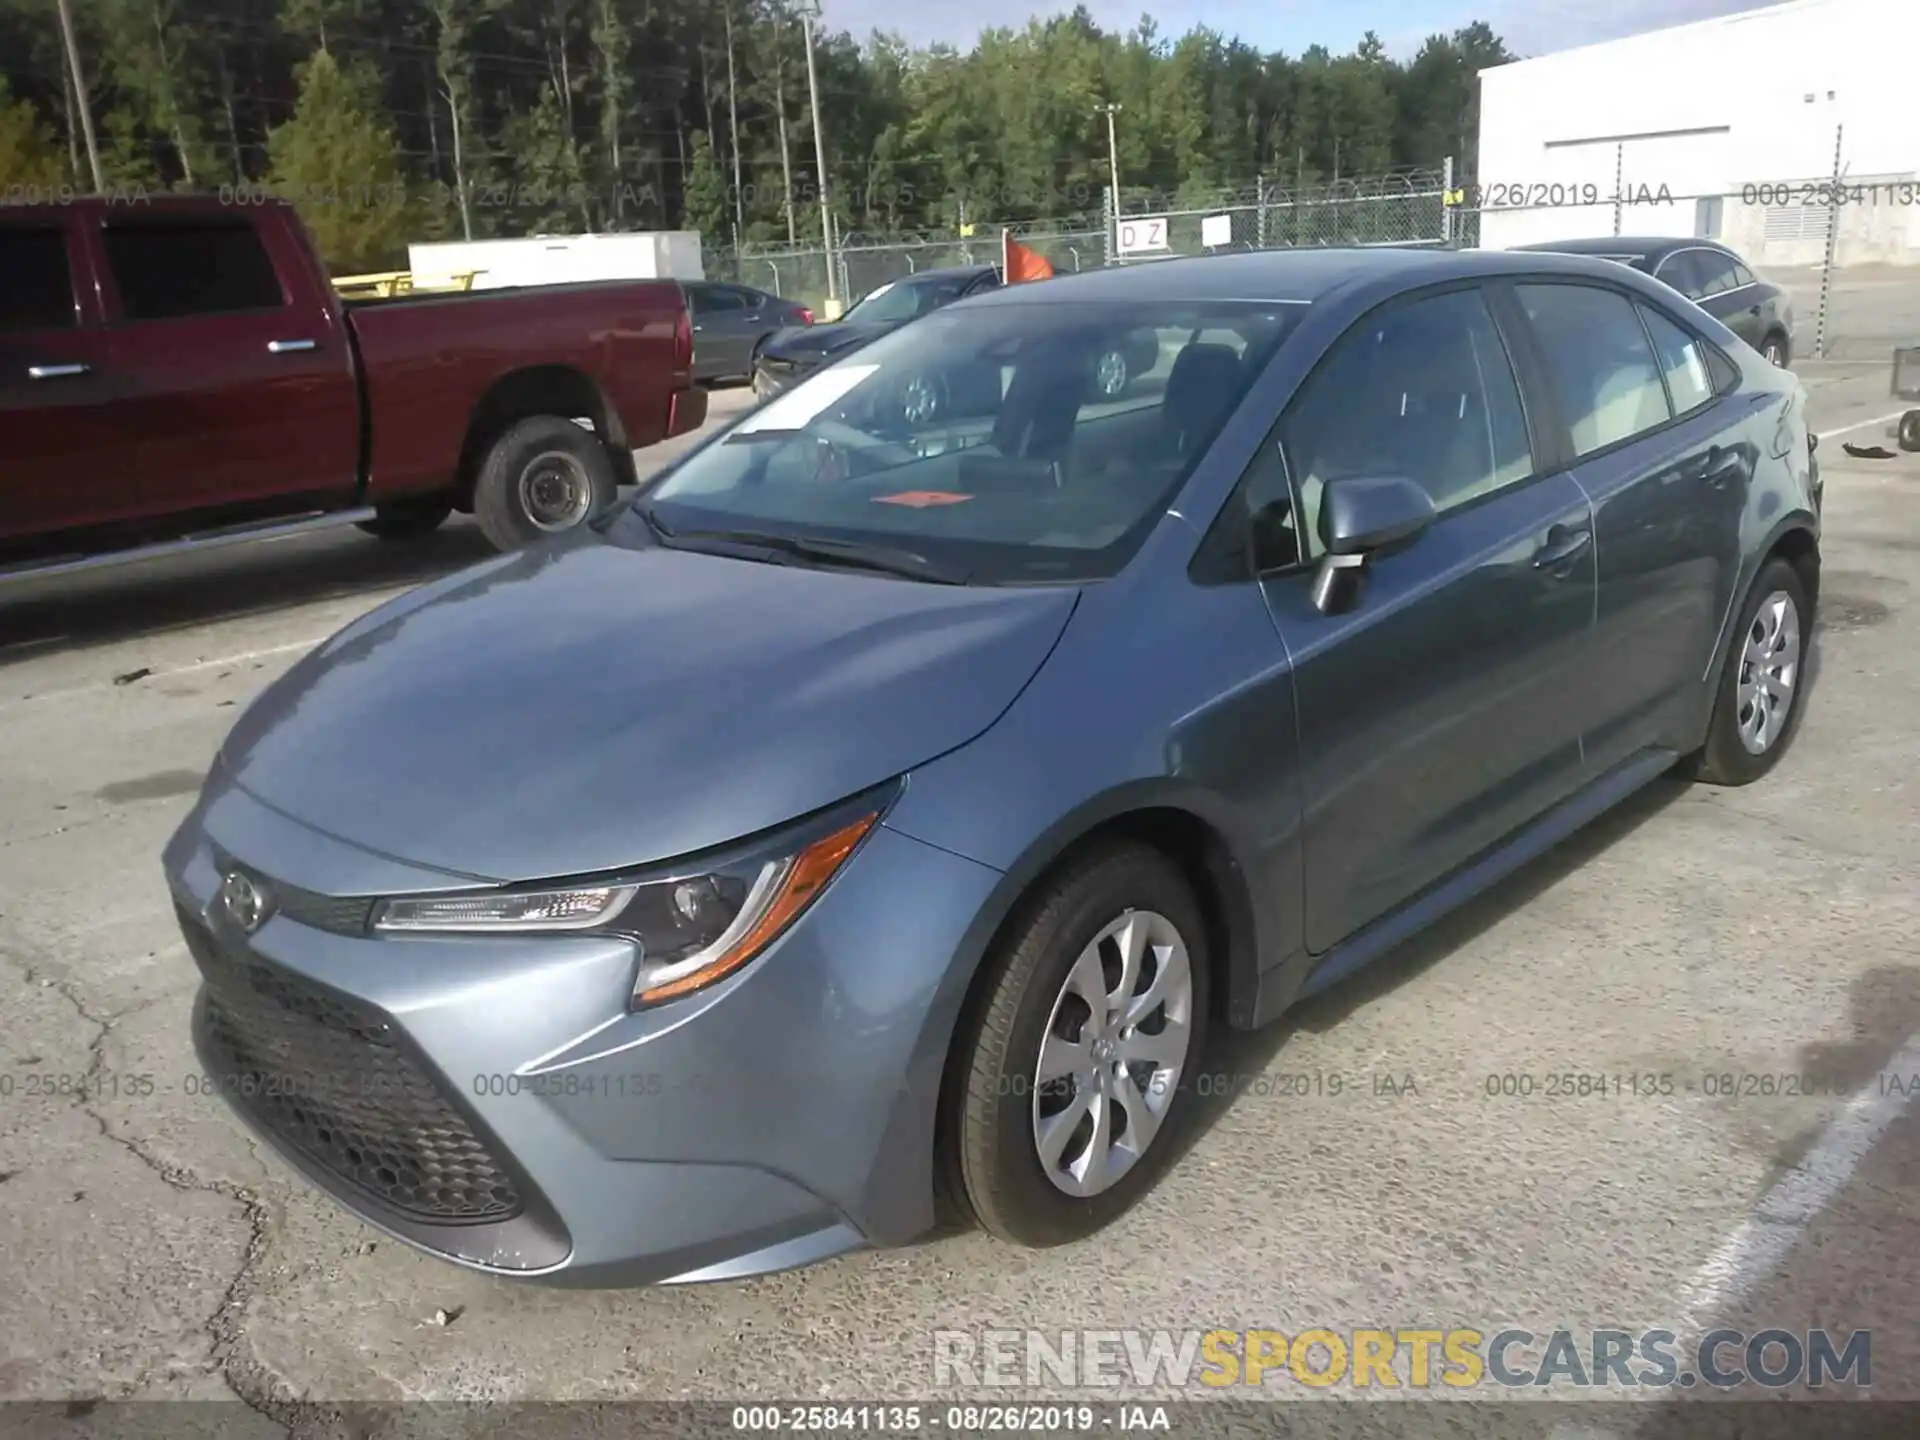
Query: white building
column 1724, row 128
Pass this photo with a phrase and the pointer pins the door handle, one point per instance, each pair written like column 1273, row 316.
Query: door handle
column 698, row 328
column 56, row 372
column 1562, row 547
column 289, row 347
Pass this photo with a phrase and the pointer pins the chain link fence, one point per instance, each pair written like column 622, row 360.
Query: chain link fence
column 1398, row 208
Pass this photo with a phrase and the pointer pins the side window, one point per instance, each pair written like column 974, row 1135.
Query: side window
column 1421, row 389
column 1716, row 272
column 749, row 299
column 1681, row 270
column 1742, row 275
column 985, row 283
column 1683, row 361
column 1600, row 365
column 36, row 287
column 168, row 270
column 719, row 298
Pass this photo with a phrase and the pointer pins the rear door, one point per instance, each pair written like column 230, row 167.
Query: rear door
column 233, row 380
column 58, row 467
column 1435, row 715
column 1654, row 421
column 723, row 333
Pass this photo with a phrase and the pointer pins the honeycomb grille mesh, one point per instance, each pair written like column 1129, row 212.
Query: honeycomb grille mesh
column 326, row 1077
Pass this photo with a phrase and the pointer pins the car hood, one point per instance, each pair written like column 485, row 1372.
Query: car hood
column 815, row 342
column 587, row 706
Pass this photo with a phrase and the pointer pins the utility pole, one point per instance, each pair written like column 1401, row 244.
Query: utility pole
column 80, row 95
column 733, row 119
column 809, row 14
column 1113, row 170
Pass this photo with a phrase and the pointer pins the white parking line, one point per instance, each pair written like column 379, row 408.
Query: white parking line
column 1861, row 425
column 1752, row 1251
column 1775, row 1226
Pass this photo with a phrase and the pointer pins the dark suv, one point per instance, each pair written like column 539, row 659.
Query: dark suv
column 1710, row 275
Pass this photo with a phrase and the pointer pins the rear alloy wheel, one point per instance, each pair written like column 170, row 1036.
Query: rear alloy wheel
column 1774, row 348
column 543, row 477
column 920, row 401
column 1112, row 375
column 1758, row 704
column 1095, row 1011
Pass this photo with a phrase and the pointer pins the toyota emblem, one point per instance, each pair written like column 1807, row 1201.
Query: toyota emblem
column 244, row 901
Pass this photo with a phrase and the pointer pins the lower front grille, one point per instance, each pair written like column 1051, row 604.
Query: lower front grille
column 328, row 1077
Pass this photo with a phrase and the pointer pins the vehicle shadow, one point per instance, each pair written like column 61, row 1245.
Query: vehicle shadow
column 259, row 578
column 1240, row 1052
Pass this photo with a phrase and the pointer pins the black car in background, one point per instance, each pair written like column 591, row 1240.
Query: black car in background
column 1709, row 274
column 785, row 358
column 730, row 322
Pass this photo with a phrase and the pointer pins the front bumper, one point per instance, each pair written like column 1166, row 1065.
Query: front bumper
column 493, row 1101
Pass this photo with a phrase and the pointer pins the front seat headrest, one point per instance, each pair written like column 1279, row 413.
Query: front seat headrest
column 1204, row 381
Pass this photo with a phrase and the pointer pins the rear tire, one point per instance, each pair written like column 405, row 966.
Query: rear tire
column 543, row 477
column 1125, row 1070
column 1910, row 431
column 408, row 519
column 1757, row 708
column 1777, row 351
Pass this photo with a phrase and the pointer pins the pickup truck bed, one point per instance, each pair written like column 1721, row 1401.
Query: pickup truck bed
column 180, row 370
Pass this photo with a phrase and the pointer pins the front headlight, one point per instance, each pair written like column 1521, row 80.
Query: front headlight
column 692, row 926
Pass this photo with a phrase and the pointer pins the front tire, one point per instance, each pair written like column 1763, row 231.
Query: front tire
column 544, row 476
column 408, row 519
column 1758, row 704
column 1094, row 1013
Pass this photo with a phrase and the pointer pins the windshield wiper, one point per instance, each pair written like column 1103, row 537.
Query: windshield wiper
column 885, row 559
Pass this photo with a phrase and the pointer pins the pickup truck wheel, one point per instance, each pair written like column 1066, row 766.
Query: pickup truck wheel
column 544, row 476
column 406, row 519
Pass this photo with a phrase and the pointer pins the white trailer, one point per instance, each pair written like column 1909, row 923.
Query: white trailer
column 558, row 259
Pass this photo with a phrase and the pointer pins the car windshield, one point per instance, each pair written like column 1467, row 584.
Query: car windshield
column 1012, row 443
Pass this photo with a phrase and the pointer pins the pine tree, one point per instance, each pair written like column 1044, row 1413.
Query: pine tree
column 30, row 159
column 337, row 160
column 705, row 200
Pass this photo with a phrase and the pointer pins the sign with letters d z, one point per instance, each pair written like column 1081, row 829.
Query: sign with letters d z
column 1143, row 234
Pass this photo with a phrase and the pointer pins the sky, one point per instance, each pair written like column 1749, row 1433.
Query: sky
column 1530, row 27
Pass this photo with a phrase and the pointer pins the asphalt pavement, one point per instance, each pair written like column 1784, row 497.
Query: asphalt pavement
column 1391, row 1156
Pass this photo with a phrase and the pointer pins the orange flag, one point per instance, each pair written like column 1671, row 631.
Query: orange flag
column 1018, row 263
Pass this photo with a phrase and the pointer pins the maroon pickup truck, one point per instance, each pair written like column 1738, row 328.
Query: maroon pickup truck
column 180, row 372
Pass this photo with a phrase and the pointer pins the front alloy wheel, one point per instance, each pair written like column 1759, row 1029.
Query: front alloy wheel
column 1111, row 1058
column 1775, row 351
column 1111, row 374
column 1067, row 1079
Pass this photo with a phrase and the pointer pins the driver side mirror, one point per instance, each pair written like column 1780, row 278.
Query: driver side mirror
column 1362, row 516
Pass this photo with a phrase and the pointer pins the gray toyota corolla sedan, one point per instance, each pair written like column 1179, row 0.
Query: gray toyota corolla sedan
column 884, row 805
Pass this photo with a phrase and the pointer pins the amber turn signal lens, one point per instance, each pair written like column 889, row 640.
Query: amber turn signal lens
column 807, row 875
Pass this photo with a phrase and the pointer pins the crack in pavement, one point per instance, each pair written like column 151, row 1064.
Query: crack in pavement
column 251, row 1383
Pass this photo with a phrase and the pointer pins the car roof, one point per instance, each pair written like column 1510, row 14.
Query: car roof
column 949, row 272
column 1303, row 275
column 1645, row 246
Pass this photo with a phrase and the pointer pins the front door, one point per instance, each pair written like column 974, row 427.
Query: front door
column 58, row 469
column 1434, row 714
column 1656, row 427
